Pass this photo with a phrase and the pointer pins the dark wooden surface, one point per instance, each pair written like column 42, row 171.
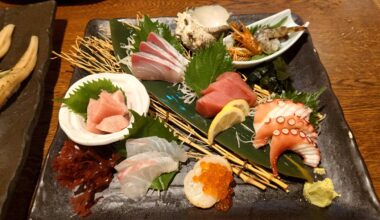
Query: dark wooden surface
column 345, row 33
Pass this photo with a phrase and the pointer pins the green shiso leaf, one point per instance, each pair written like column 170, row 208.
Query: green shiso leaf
column 206, row 65
column 79, row 99
column 146, row 126
column 254, row 29
column 281, row 69
column 311, row 100
column 146, row 26
column 272, row 76
column 279, row 24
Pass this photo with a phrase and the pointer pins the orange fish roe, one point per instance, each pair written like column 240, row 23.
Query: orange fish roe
column 216, row 179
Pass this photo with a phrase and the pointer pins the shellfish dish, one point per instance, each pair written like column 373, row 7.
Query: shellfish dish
column 177, row 115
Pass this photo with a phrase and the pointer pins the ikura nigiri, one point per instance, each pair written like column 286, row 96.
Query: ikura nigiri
column 209, row 183
column 285, row 125
column 227, row 87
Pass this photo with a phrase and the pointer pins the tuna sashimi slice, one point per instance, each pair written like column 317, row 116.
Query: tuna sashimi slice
column 151, row 48
column 231, row 83
column 212, row 103
column 119, row 97
column 149, row 67
column 163, row 44
column 91, row 127
column 104, row 107
column 113, row 124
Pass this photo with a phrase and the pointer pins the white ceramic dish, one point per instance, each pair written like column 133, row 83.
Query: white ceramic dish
column 228, row 41
column 74, row 125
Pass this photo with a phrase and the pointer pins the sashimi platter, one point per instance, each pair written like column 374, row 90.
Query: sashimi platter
column 199, row 114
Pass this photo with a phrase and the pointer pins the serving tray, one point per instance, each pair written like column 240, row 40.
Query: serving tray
column 340, row 158
column 20, row 114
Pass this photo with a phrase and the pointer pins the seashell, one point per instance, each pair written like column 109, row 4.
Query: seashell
column 228, row 41
column 75, row 126
column 200, row 26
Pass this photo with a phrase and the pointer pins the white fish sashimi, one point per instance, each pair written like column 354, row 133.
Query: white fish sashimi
column 163, row 44
column 151, row 48
column 136, row 173
column 154, row 143
column 150, row 67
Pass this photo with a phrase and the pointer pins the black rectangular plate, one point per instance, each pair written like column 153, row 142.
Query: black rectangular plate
column 20, row 114
column 340, row 157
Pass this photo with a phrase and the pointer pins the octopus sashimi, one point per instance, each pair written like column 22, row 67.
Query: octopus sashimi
column 270, row 125
column 285, row 125
column 278, row 107
column 296, row 141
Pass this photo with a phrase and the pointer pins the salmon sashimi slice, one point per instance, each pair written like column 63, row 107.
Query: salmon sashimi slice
column 149, row 67
column 113, row 124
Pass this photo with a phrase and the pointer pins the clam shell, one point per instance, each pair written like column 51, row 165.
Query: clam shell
column 228, row 41
column 74, row 125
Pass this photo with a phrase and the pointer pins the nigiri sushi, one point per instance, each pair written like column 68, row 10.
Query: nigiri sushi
column 209, row 182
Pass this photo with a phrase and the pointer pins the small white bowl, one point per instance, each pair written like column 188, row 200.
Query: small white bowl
column 74, row 125
column 271, row 20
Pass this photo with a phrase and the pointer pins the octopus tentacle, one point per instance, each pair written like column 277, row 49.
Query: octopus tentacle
column 294, row 140
column 265, row 133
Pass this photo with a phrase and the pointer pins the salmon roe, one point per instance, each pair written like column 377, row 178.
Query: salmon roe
column 216, row 179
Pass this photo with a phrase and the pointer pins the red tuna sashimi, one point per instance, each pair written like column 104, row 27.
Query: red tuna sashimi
column 149, row 67
column 233, row 88
column 209, row 105
column 233, row 79
column 113, row 124
column 163, row 44
column 151, row 48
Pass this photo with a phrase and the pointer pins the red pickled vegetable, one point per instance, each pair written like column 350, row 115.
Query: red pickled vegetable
column 85, row 170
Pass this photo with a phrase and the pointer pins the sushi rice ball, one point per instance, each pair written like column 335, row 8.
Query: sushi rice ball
column 208, row 182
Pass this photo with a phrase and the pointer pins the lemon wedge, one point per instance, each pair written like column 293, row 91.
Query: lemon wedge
column 229, row 116
column 240, row 104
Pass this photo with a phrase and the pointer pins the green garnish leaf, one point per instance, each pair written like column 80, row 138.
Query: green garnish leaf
column 79, row 99
column 162, row 182
column 279, row 24
column 146, row 126
column 254, row 29
column 272, row 76
column 281, row 69
column 206, row 65
column 310, row 100
column 257, row 57
column 146, row 26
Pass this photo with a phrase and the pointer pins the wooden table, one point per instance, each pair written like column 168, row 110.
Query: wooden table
column 345, row 33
